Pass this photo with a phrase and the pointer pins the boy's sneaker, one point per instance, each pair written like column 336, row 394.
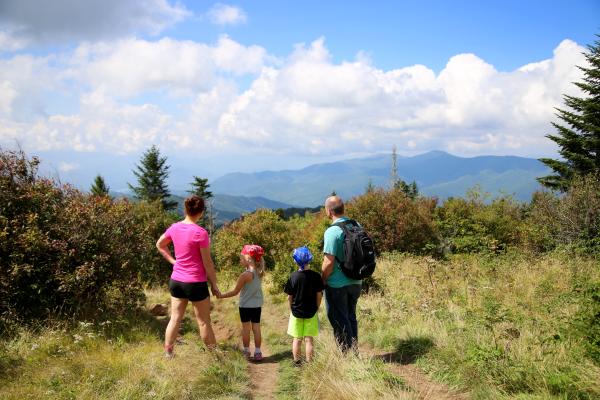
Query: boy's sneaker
column 258, row 356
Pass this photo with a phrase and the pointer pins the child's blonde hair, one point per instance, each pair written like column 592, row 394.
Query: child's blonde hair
column 259, row 266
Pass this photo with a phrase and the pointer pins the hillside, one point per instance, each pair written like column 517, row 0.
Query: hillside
column 437, row 174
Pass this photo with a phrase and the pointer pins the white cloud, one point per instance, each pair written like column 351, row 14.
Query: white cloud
column 67, row 167
column 223, row 14
column 133, row 66
column 304, row 104
column 79, row 20
column 11, row 42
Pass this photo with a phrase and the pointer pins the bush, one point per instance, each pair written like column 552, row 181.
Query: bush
column 394, row 221
column 471, row 226
column 66, row 253
column 571, row 220
column 263, row 227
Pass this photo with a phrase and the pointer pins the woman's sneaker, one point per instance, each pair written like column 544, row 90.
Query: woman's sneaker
column 258, row 356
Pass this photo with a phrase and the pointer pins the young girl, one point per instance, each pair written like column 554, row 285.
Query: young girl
column 251, row 298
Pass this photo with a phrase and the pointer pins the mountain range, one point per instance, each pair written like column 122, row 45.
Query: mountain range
column 436, row 173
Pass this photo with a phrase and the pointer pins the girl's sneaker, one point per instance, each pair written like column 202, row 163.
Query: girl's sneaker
column 246, row 354
column 258, row 356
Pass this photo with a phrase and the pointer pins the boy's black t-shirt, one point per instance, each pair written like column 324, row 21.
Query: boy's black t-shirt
column 303, row 286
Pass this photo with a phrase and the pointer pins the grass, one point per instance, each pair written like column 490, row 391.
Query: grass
column 500, row 327
column 331, row 374
column 118, row 359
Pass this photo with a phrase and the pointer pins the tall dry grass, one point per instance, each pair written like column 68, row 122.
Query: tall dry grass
column 501, row 327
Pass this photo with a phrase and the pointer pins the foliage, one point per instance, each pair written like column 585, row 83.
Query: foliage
column 277, row 236
column 579, row 138
column 99, row 187
column 152, row 174
column 263, row 227
column 472, row 225
column 394, row 221
column 570, row 220
column 65, row 252
column 200, row 188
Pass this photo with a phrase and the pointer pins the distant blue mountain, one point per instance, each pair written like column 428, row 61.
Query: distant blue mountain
column 437, row 174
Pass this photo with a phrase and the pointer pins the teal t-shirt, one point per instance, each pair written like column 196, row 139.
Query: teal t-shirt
column 334, row 245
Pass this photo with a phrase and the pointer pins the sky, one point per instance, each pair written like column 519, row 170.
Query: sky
column 252, row 85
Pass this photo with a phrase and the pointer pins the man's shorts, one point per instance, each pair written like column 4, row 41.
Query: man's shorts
column 193, row 291
column 250, row 314
column 302, row 327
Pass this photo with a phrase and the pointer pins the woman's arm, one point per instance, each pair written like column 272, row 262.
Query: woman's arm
column 162, row 244
column 209, row 267
column 242, row 280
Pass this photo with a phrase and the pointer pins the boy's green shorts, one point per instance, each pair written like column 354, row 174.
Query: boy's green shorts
column 301, row 327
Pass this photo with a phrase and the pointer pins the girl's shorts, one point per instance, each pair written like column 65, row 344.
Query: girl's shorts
column 252, row 314
column 302, row 327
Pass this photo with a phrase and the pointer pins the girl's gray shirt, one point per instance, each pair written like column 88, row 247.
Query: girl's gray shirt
column 251, row 295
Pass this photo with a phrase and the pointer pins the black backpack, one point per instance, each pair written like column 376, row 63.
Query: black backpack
column 359, row 251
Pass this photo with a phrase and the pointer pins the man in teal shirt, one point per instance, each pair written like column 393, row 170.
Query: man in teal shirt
column 341, row 292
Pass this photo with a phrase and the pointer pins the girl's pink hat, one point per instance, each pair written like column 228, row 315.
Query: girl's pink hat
column 254, row 251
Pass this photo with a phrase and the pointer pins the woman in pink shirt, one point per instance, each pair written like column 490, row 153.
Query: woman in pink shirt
column 192, row 268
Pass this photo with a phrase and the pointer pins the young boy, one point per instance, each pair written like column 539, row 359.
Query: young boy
column 305, row 290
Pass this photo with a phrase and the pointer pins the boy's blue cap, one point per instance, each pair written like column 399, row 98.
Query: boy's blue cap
column 302, row 256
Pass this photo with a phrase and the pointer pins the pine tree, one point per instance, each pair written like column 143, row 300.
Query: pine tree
column 370, row 188
column 200, row 188
column 99, row 187
column 152, row 174
column 579, row 137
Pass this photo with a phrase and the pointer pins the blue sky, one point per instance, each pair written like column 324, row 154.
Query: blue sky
column 507, row 34
column 251, row 85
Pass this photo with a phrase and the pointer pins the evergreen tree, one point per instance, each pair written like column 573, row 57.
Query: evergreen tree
column 410, row 190
column 579, row 137
column 370, row 188
column 200, row 188
column 152, row 174
column 99, row 187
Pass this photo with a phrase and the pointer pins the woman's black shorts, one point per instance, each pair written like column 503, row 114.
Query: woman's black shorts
column 250, row 314
column 193, row 291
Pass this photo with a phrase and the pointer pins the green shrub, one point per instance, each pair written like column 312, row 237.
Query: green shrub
column 471, row 225
column 66, row 253
column 571, row 220
column 394, row 221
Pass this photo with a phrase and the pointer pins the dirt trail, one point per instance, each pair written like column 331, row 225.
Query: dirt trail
column 263, row 374
column 418, row 381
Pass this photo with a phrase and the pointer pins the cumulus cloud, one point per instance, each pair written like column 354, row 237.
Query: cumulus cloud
column 223, row 14
column 132, row 66
column 86, row 20
column 303, row 104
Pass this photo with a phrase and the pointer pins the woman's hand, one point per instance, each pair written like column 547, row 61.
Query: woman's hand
column 162, row 244
column 215, row 291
